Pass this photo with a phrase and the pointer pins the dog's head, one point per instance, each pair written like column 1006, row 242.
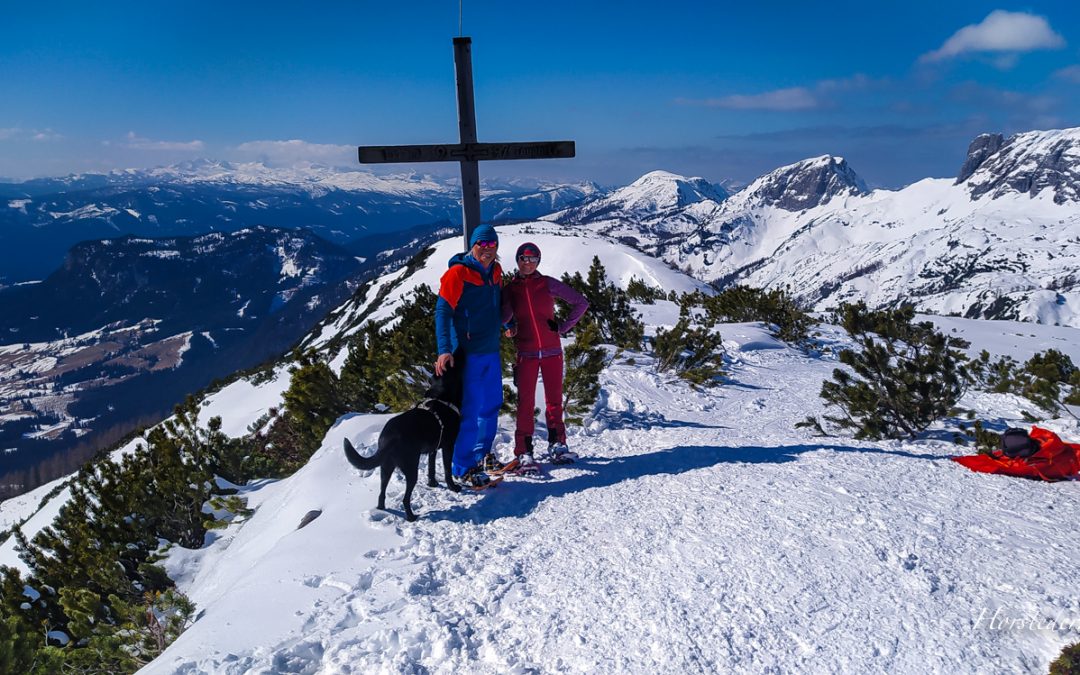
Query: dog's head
column 451, row 386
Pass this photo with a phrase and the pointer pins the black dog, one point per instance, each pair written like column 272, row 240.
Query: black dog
column 431, row 425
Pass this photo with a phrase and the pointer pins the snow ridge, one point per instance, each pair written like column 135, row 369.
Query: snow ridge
column 1000, row 242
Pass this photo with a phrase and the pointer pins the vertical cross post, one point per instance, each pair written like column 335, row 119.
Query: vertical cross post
column 470, row 168
column 468, row 153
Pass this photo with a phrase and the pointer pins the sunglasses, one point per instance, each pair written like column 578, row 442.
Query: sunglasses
column 534, row 259
column 487, row 244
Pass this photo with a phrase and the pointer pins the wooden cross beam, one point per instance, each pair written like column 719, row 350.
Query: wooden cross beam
column 468, row 152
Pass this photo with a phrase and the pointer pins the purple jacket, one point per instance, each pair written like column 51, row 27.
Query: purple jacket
column 530, row 303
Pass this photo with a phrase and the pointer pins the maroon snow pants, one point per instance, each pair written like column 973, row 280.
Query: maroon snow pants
column 551, row 369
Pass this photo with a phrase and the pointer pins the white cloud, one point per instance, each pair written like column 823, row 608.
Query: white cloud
column 46, row 135
column 20, row 134
column 856, row 82
column 818, row 95
column 1000, row 32
column 295, row 151
column 1069, row 74
column 792, row 98
column 136, row 142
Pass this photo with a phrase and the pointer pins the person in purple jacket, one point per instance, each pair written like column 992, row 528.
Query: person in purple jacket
column 528, row 309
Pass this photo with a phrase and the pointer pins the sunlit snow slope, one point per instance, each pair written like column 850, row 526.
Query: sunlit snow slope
column 700, row 532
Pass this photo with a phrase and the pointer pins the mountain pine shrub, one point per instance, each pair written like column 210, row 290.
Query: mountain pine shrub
column 312, row 403
column 986, row 441
column 609, row 308
column 390, row 364
column 693, row 352
column 95, row 569
column 23, row 625
column 1068, row 662
column 274, row 451
column 405, row 353
column 584, row 360
column 1048, row 379
column 638, row 291
column 904, row 377
column 1043, row 377
column 788, row 319
column 359, row 382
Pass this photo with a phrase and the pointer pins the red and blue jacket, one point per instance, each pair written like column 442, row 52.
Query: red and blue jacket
column 468, row 311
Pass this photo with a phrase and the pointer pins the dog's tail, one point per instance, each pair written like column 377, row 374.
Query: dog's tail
column 362, row 463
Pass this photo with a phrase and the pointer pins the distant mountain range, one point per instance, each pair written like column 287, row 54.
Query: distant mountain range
column 128, row 327
column 1001, row 241
column 41, row 219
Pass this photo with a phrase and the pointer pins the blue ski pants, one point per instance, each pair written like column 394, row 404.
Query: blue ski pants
column 479, row 410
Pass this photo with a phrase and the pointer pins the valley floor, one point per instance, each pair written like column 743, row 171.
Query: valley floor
column 700, row 532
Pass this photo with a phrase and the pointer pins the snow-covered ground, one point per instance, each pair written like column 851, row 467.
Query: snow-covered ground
column 700, row 532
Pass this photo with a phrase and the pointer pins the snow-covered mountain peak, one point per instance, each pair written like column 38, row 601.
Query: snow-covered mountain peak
column 661, row 190
column 805, row 184
column 814, row 226
column 1025, row 163
column 659, row 203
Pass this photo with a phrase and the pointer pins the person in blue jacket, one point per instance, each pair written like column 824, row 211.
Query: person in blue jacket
column 468, row 314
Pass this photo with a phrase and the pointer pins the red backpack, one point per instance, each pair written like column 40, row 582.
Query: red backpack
column 1052, row 460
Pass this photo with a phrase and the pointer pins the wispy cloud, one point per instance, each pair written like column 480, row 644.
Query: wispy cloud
column 1004, row 33
column 1069, row 74
column 20, row 134
column 985, row 97
column 791, row 98
column 856, row 82
column 881, row 132
column 1013, row 110
column 294, row 151
column 135, row 142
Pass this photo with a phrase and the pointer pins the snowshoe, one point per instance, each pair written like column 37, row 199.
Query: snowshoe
column 558, row 453
column 524, row 465
column 492, row 466
column 477, row 480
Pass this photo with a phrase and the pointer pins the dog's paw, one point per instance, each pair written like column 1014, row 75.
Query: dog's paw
column 454, row 487
column 410, row 517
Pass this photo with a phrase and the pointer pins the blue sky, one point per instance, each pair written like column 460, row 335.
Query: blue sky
column 720, row 90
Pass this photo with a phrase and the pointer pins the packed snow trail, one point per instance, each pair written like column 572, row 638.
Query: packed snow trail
column 699, row 532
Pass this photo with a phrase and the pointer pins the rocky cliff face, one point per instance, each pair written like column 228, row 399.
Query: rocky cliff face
column 806, row 184
column 982, row 147
column 1029, row 164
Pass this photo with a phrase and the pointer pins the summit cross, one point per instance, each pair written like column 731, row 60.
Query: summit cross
column 468, row 152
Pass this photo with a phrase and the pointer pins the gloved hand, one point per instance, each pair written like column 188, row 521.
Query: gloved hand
column 553, row 325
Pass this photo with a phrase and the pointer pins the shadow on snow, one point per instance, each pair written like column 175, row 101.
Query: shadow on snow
column 518, row 498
